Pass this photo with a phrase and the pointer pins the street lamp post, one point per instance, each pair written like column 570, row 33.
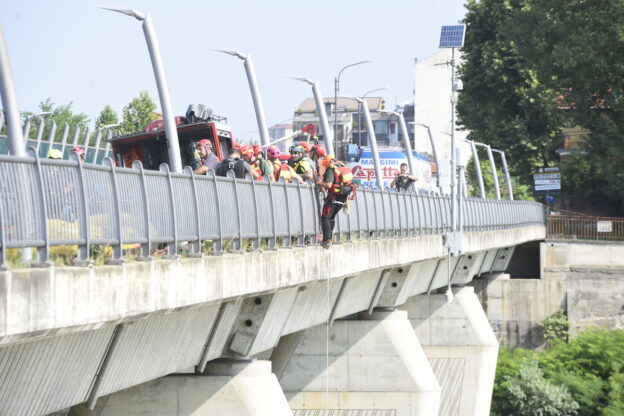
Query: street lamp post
column 477, row 163
column 373, row 142
column 173, row 145
column 360, row 113
column 442, row 176
column 506, row 170
column 336, row 90
column 492, row 167
column 255, row 93
column 328, row 137
column 15, row 136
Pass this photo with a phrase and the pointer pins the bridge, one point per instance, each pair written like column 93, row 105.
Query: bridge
column 244, row 313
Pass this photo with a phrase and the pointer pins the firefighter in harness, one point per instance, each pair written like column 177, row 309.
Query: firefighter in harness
column 338, row 182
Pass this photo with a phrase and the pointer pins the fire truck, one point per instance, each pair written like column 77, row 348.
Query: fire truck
column 150, row 145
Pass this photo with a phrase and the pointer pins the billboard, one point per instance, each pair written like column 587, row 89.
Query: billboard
column 390, row 161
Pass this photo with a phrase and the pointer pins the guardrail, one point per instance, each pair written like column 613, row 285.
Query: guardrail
column 585, row 227
column 47, row 203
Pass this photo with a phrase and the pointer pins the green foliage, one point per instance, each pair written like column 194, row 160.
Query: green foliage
column 531, row 394
column 503, row 102
column 60, row 114
column 138, row 113
column 556, row 327
column 107, row 116
column 590, row 368
column 519, row 90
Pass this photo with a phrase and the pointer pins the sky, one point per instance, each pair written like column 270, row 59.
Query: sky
column 73, row 51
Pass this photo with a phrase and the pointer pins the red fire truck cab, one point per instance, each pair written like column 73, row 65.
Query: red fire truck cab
column 150, row 146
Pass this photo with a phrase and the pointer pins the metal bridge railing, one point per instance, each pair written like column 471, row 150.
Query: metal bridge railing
column 45, row 203
column 585, row 227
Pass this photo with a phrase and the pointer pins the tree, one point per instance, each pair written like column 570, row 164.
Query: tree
column 576, row 48
column 503, row 102
column 138, row 113
column 107, row 116
column 519, row 90
column 60, row 114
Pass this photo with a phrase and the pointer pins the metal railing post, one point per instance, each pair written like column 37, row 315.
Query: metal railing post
column 238, row 243
column 64, row 137
column 117, row 254
column 145, row 247
column 44, row 252
column 255, row 241
column 51, row 136
column 301, row 238
column 196, row 244
column 40, row 128
column 287, row 244
column 272, row 241
column 83, row 249
column 3, row 265
column 218, row 245
column 172, row 248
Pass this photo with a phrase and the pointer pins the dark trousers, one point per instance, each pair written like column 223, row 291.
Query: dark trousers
column 332, row 206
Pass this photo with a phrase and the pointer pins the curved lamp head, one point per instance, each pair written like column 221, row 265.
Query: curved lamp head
column 302, row 79
column 128, row 12
column 232, row 52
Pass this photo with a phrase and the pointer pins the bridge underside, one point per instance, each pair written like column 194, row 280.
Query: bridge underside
column 72, row 335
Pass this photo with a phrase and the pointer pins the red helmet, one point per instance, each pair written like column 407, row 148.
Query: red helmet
column 204, row 142
column 318, row 150
column 78, row 150
column 247, row 149
column 273, row 152
column 306, row 146
column 257, row 149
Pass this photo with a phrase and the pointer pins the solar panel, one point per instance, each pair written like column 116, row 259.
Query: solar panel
column 452, row 36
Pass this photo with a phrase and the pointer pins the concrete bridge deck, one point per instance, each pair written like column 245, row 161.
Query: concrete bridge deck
column 70, row 335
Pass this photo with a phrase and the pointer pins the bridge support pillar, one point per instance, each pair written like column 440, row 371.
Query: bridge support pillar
column 226, row 388
column 374, row 362
column 461, row 348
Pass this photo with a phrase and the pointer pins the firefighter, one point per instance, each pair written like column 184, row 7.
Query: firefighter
column 317, row 153
column 260, row 166
column 300, row 164
column 207, row 159
column 235, row 164
column 80, row 152
column 55, row 154
column 281, row 170
column 338, row 182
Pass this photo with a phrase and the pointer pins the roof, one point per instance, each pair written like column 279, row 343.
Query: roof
column 282, row 126
column 309, row 105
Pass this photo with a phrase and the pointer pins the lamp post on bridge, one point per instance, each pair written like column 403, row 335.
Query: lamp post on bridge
column 173, row 145
column 373, row 141
column 15, row 136
column 477, row 163
column 360, row 112
column 506, row 170
column 493, row 167
column 336, row 90
column 442, row 176
column 255, row 93
column 328, row 135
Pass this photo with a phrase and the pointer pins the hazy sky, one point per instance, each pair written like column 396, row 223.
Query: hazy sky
column 71, row 50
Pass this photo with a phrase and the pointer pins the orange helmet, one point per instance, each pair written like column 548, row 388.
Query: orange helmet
column 306, row 146
column 257, row 149
column 247, row 149
column 327, row 160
